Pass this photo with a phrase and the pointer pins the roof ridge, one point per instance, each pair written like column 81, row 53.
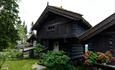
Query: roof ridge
column 64, row 10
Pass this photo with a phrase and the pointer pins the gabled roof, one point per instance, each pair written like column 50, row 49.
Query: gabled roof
column 32, row 37
column 62, row 12
column 108, row 22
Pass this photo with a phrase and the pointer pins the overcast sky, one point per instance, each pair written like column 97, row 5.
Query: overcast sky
column 94, row 11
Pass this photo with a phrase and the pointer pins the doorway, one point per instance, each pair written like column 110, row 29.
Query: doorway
column 56, row 46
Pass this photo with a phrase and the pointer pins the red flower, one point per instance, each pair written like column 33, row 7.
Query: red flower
column 87, row 54
column 111, row 50
column 112, row 59
column 86, row 62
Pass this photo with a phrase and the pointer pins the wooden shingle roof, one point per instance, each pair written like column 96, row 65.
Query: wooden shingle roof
column 108, row 22
column 62, row 12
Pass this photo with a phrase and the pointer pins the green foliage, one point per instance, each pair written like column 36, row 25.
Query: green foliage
column 13, row 54
column 9, row 54
column 57, row 61
column 97, row 57
column 53, row 58
column 9, row 20
column 2, row 59
column 92, row 57
column 63, row 67
column 22, row 31
column 37, row 50
column 38, row 47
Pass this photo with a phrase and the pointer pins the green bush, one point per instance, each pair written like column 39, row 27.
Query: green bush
column 9, row 54
column 53, row 58
column 37, row 50
column 57, row 61
column 63, row 67
column 13, row 54
column 2, row 59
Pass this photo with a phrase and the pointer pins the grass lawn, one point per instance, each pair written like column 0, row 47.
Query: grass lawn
column 25, row 64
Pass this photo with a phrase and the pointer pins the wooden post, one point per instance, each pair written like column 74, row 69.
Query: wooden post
column 31, row 53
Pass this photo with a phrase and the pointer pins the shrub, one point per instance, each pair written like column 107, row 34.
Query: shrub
column 57, row 61
column 53, row 58
column 37, row 50
column 9, row 54
column 13, row 54
column 2, row 59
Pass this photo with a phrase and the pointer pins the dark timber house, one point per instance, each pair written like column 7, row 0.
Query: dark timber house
column 59, row 29
column 31, row 40
column 102, row 36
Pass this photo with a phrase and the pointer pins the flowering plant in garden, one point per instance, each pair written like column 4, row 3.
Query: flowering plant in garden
column 97, row 57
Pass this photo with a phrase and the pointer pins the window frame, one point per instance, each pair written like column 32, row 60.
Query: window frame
column 51, row 27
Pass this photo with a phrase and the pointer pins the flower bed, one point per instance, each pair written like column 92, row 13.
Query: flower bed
column 97, row 57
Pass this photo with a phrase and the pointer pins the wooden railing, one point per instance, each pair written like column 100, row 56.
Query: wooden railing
column 45, row 49
column 100, row 67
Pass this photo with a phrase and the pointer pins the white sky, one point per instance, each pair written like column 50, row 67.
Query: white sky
column 94, row 11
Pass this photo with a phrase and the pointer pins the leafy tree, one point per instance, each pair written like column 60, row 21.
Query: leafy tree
column 9, row 21
column 22, row 31
column 31, row 31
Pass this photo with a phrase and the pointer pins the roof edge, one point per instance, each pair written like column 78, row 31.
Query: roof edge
column 96, row 28
column 57, row 10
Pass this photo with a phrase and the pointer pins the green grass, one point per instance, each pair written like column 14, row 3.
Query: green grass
column 25, row 64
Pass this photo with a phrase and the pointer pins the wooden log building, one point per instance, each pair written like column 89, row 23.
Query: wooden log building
column 101, row 37
column 60, row 29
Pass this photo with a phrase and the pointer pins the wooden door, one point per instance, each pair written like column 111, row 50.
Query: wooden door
column 56, row 46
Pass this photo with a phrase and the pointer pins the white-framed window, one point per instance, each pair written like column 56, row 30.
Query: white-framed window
column 86, row 47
